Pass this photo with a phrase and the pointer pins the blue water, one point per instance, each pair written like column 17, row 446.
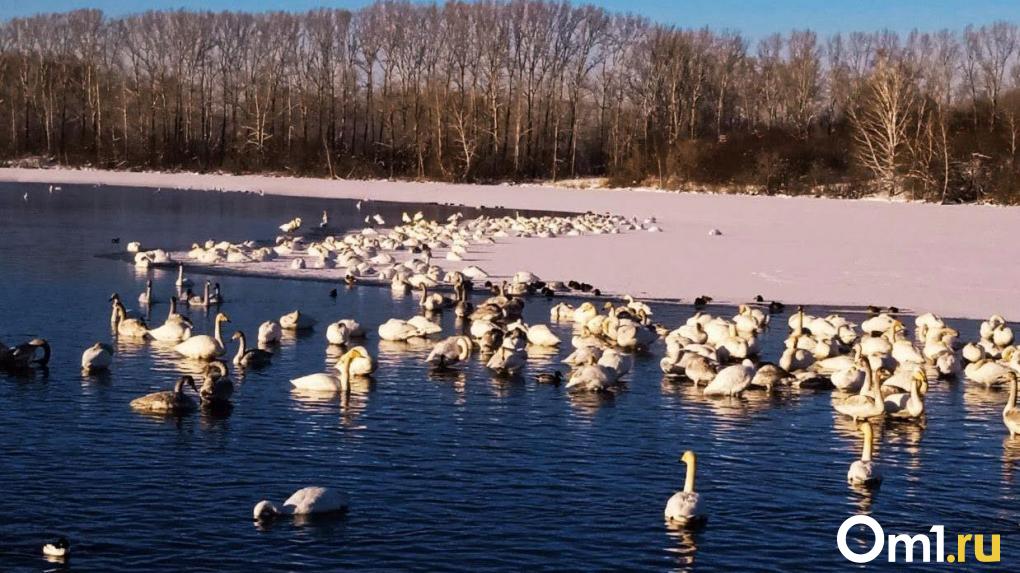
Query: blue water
column 460, row 472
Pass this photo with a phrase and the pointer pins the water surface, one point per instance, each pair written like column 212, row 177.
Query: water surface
column 460, row 472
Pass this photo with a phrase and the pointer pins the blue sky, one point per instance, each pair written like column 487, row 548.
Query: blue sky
column 754, row 17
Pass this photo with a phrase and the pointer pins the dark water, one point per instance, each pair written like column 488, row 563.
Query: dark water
column 460, row 472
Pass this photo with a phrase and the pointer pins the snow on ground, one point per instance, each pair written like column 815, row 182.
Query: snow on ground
column 952, row 260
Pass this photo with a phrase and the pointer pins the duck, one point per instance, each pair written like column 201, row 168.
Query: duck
column 169, row 401
column 864, row 472
column 59, row 548
column 175, row 329
column 1011, row 414
column 554, row 377
column 324, row 382
column 684, row 507
column 269, row 333
column 249, row 357
column 449, row 351
column 217, row 387
column 97, row 357
column 296, row 320
column 203, row 346
column 305, row 501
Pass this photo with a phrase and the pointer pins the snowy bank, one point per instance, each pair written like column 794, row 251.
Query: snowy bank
column 952, row 260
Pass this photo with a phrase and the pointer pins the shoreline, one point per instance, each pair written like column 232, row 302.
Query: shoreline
column 798, row 250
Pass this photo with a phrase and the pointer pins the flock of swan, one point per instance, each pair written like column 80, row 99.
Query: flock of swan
column 874, row 369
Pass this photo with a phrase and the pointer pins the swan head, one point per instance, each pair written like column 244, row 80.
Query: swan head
column 114, row 297
column 220, row 317
column 237, row 335
column 264, row 511
column 688, row 457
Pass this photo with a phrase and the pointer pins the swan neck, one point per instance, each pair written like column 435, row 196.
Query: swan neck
column 1011, row 402
column 869, row 445
column 217, row 333
column 692, row 469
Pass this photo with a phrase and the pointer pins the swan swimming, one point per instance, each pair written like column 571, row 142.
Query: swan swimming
column 305, row 501
column 203, row 346
column 97, row 357
column 169, row 401
column 249, row 357
column 864, row 471
column 684, row 507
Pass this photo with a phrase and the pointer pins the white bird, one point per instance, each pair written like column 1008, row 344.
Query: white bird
column 97, row 357
column 305, row 501
column 1011, row 414
column 449, row 351
column 61, row 547
column 291, row 226
column 203, row 346
column 296, row 320
column 323, row 382
column 864, row 471
column 175, row 329
column 732, row 380
column 269, row 332
column 684, row 507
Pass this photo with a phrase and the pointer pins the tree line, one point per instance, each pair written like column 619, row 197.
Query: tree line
column 516, row 90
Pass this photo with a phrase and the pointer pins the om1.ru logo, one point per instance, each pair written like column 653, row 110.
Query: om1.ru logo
column 911, row 543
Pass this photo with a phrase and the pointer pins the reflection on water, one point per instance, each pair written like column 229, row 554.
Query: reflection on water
column 456, row 469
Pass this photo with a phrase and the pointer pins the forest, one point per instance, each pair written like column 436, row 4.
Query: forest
column 517, row 90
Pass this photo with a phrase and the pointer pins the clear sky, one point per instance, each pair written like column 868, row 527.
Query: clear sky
column 754, row 17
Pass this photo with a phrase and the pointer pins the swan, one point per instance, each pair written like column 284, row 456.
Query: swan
column 585, row 312
column 125, row 326
column 541, row 335
column 361, row 362
column 25, row 355
column 175, row 329
column 97, row 357
column 864, row 472
column 987, row 372
column 169, row 401
column 908, row 404
column 291, row 226
column 434, row 301
column 506, row 361
column 449, row 351
column 869, row 403
column 305, row 501
column 249, row 357
column 592, row 377
column 732, row 380
column 269, row 332
column 323, row 382
column 684, row 507
column 205, row 299
column 769, row 375
column 146, row 296
column 296, row 321
column 182, row 281
column 396, row 330
column 217, row 387
column 60, row 548
column 1011, row 414
column 203, row 346
column 343, row 331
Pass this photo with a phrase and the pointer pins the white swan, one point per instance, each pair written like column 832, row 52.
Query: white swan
column 305, row 501
column 182, row 281
column 97, row 357
column 541, row 335
column 59, row 548
column 269, row 332
column 987, row 372
column 732, row 380
column 684, row 507
column 361, row 362
column 323, row 382
column 296, row 321
column 203, row 346
column 291, row 226
column 869, row 403
column 507, row 361
column 396, row 330
column 908, row 404
column 864, row 472
column 592, row 378
column 146, row 296
column 1011, row 414
column 175, row 329
column 450, row 351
